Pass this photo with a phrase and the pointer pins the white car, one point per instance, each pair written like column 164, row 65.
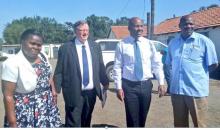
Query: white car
column 159, row 45
column 4, row 56
column 108, row 47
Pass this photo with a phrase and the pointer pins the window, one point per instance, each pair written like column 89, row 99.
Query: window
column 159, row 47
column 17, row 50
column 10, row 51
column 108, row 45
column 55, row 52
column 46, row 50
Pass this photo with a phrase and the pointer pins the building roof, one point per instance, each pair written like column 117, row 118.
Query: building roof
column 205, row 18
column 122, row 31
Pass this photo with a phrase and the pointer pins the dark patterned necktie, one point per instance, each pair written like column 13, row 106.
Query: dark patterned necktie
column 85, row 67
column 138, row 69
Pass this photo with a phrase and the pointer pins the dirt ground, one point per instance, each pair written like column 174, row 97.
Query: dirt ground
column 160, row 113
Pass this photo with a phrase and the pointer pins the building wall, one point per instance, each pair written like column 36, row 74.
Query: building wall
column 11, row 49
column 51, row 50
column 164, row 37
column 111, row 35
column 212, row 33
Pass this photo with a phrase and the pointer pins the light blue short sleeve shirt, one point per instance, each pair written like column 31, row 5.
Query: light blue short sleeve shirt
column 189, row 60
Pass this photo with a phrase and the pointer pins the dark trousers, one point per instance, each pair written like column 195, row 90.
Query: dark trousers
column 137, row 101
column 81, row 114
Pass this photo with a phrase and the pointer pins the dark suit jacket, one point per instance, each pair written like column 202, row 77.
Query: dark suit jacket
column 67, row 74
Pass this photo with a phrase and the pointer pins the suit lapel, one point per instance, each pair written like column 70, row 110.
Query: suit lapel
column 75, row 57
column 92, row 51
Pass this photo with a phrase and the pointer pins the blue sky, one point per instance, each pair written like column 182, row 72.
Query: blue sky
column 73, row 10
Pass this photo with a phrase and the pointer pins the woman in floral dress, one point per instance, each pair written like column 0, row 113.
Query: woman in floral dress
column 28, row 91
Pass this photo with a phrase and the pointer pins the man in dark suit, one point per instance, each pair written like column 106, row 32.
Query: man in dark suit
column 79, row 72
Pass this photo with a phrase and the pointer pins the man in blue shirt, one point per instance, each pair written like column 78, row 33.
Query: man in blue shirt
column 191, row 57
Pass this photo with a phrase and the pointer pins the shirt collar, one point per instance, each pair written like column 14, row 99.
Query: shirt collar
column 78, row 43
column 191, row 37
column 133, row 39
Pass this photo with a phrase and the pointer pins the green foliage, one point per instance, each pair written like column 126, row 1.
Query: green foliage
column 123, row 21
column 1, row 41
column 99, row 26
column 52, row 31
column 70, row 27
column 12, row 33
column 213, row 5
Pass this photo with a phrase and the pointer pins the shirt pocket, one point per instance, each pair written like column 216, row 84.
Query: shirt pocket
column 146, row 57
column 128, row 56
column 195, row 54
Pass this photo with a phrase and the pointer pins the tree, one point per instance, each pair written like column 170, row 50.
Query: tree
column 99, row 26
column 12, row 33
column 213, row 5
column 1, row 41
column 202, row 8
column 70, row 27
column 123, row 21
column 52, row 31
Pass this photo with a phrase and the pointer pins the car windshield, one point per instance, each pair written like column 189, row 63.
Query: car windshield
column 108, row 45
column 159, row 47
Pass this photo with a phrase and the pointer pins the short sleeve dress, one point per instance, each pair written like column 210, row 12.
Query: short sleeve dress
column 37, row 109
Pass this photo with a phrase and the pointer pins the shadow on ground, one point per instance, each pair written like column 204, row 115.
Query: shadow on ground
column 112, row 90
column 104, row 126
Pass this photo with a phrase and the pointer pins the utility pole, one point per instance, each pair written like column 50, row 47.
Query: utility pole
column 148, row 26
column 152, row 19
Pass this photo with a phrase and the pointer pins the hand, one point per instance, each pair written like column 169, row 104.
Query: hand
column 162, row 89
column 54, row 94
column 53, row 89
column 120, row 95
column 106, row 87
column 13, row 125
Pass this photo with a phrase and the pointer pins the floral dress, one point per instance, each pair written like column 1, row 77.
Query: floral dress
column 37, row 109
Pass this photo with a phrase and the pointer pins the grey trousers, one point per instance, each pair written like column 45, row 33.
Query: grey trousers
column 183, row 105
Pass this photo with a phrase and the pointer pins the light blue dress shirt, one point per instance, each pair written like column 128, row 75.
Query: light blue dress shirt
column 189, row 61
column 125, row 61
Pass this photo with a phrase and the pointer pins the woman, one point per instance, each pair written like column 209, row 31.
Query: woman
column 28, row 90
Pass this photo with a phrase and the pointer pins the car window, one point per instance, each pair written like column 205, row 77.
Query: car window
column 108, row 45
column 159, row 47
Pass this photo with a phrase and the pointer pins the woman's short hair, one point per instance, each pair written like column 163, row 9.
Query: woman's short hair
column 29, row 32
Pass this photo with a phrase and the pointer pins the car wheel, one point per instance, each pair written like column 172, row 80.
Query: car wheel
column 109, row 72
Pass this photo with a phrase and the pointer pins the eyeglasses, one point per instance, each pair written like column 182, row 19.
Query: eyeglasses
column 138, row 26
column 83, row 30
column 35, row 44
